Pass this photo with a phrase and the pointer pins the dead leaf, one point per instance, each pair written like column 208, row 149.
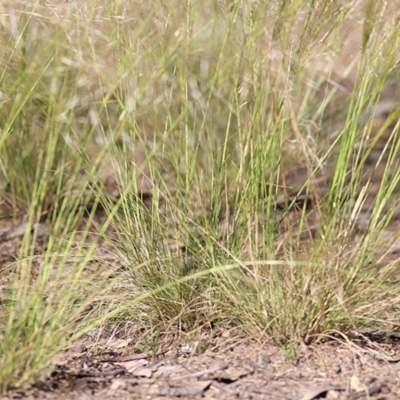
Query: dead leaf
column 129, row 357
column 121, row 343
column 232, row 374
column 315, row 392
column 167, row 370
column 137, row 367
column 356, row 385
column 188, row 391
column 19, row 231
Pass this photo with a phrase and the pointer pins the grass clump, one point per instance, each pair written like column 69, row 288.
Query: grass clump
column 239, row 139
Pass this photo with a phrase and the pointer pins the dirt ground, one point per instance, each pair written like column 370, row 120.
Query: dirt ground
column 364, row 368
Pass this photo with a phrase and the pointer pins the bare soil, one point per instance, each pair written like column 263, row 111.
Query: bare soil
column 229, row 369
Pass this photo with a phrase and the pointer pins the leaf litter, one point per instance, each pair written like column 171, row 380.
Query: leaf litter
column 328, row 370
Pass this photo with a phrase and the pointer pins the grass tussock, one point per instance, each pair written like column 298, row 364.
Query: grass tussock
column 229, row 146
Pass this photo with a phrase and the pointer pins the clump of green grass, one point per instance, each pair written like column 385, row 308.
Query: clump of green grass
column 205, row 115
column 46, row 168
column 239, row 171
